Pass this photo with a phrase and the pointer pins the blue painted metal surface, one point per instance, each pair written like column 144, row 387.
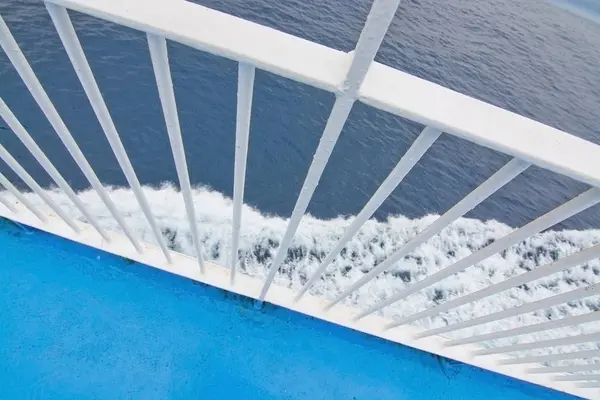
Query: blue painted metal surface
column 77, row 323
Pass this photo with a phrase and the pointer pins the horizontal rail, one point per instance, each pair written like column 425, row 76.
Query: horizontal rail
column 384, row 87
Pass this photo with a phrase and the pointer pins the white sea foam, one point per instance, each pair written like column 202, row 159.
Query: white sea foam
column 260, row 234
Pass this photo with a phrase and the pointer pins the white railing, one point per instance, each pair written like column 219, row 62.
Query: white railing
column 352, row 77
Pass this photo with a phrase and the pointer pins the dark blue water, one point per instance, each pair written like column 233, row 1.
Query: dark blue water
column 529, row 57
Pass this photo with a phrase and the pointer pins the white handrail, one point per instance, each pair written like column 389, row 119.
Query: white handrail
column 384, row 87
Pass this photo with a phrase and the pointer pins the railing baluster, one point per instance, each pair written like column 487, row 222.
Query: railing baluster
column 7, row 204
column 164, row 83
column 15, row 192
column 564, row 368
column 14, row 53
column 378, row 21
column 561, row 298
column 423, row 142
column 589, row 385
column 573, row 378
column 540, row 272
column 585, row 354
column 68, row 36
column 591, row 337
column 570, row 208
column 14, row 124
column 29, row 181
column 544, row 326
column 482, row 192
column 242, row 132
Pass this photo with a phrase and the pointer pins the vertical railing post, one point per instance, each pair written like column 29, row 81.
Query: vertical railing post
column 423, row 142
column 67, row 35
column 242, row 132
column 378, row 21
column 7, row 204
column 18, row 60
column 14, row 124
column 19, row 196
column 164, row 83
column 29, row 181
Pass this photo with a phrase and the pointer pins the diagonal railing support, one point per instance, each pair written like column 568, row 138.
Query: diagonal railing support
column 378, row 21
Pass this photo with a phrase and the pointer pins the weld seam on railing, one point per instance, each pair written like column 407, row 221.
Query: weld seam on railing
column 15, row 55
column 504, row 175
column 572, row 207
column 562, row 264
column 29, row 181
column 551, row 301
column 416, row 151
column 585, row 354
column 11, row 120
column 591, row 337
column 245, row 90
column 374, row 30
column 544, row 326
column 76, row 55
column 564, row 368
column 15, row 192
column 162, row 72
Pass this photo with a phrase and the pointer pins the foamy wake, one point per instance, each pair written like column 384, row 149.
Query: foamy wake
column 260, row 235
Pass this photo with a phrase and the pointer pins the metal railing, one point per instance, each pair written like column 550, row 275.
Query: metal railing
column 352, row 77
